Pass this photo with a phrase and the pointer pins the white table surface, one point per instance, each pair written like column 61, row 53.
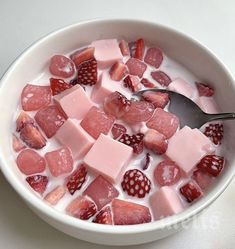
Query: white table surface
column 22, row 22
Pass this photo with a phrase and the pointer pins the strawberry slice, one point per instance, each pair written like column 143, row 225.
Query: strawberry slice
column 158, row 99
column 123, row 45
column 137, row 49
column 191, row 191
column 76, row 179
column 204, row 89
column 118, row 130
column 136, row 67
column 17, row 145
column 58, row 86
column 161, row 77
column 203, row 179
column 135, row 141
column 104, row 216
column 154, row 57
column 38, row 183
column 87, row 72
column 23, row 119
column 215, row 132
column 147, row 83
column 147, row 161
column 82, row 56
column 118, row 71
column 133, row 83
column 212, row 164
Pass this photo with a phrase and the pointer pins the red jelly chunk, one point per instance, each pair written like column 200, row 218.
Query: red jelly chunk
column 136, row 67
column 154, row 57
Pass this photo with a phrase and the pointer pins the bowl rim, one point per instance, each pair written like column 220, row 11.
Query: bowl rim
column 60, row 217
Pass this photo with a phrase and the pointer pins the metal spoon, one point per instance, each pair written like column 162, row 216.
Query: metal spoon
column 187, row 111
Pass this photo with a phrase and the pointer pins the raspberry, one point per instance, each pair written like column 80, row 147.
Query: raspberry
column 135, row 141
column 87, row 73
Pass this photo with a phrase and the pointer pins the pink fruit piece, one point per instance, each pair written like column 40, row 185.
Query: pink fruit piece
column 139, row 111
column 164, row 122
column 30, row 162
column 83, row 55
column 23, row 119
column 204, row 90
column 55, row 195
column 118, row 130
column 129, row 213
column 212, row 164
column 35, row 97
column 81, row 208
column 38, row 183
column 116, row 104
column 50, row 119
column 135, row 141
column 31, row 135
column 154, row 57
column 147, row 83
column 215, row 132
column 137, row 49
column 59, row 161
column 158, row 99
column 136, row 183
column 118, row 71
column 132, row 82
column 161, row 77
column 123, row 45
column 17, row 145
column 75, row 181
column 167, row 173
column 58, row 86
column 191, row 191
column 62, row 66
column 136, row 67
column 155, row 141
column 203, row 179
column 101, row 191
column 96, row 122
column 104, row 216
column 147, row 161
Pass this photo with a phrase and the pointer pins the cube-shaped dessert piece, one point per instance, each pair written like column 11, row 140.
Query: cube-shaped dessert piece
column 187, row 147
column 108, row 157
column 101, row 191
column 165, row 202
column 50, row 119
column 106, row 52
column 72, row 135
column 74, row 102
column 96, row 122
column 55, row 195
column 59, row 161
column 208, row 105
column 136, row 67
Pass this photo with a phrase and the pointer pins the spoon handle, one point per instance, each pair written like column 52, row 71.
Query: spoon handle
column 222, row 116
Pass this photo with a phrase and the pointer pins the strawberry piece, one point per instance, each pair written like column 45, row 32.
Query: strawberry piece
column 30, row 162
column 203, row 179
column 136, row 67
column 139, row 50
column 35, row 97
column 123, row 45
column 154, row 57
column 139, row 111
column 118, row 130
column 82, row 56
column 38, row 183
column 55, row 195
column 116, row 104
column 136, row 183
column 104, row 216
column 58, row 86
column 161, row 77
column 76, row 179
column 61, row 66
column 155, row 141
column 167, row 173
column 191, row 191
column 87, row 73
column 118, row 71
column 17, row 145
column 212, row 164
column 23, row 119
column 215, row 132
column 204, row 90
column 147, row 83
column 133, row 83
column 129, row 213
column 158, row 99
column 32, row 136
column 135, row 141
column 81, row 208
column 147, row 161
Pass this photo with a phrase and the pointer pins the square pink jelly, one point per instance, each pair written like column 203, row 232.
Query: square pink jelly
column 108, row 157
column 106, row 52
column 208, row 105
column 165, row 202
column 72, row 135
column 74, row 102
column 187, row 147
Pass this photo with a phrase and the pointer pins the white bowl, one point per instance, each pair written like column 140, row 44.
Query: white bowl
column 185, row 50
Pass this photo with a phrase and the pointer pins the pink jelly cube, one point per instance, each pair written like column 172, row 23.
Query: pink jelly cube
column 96, row 122
column 72, row 135
column 164, row 122
column 165, row 202
column 208, row 105
column 106, row 52
column 108, row 157
column 136, row 67
column 187, row 147
column 105, row 86
column 55, row 195
column 101, row 191
column 59, row 161
column 74, row 102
